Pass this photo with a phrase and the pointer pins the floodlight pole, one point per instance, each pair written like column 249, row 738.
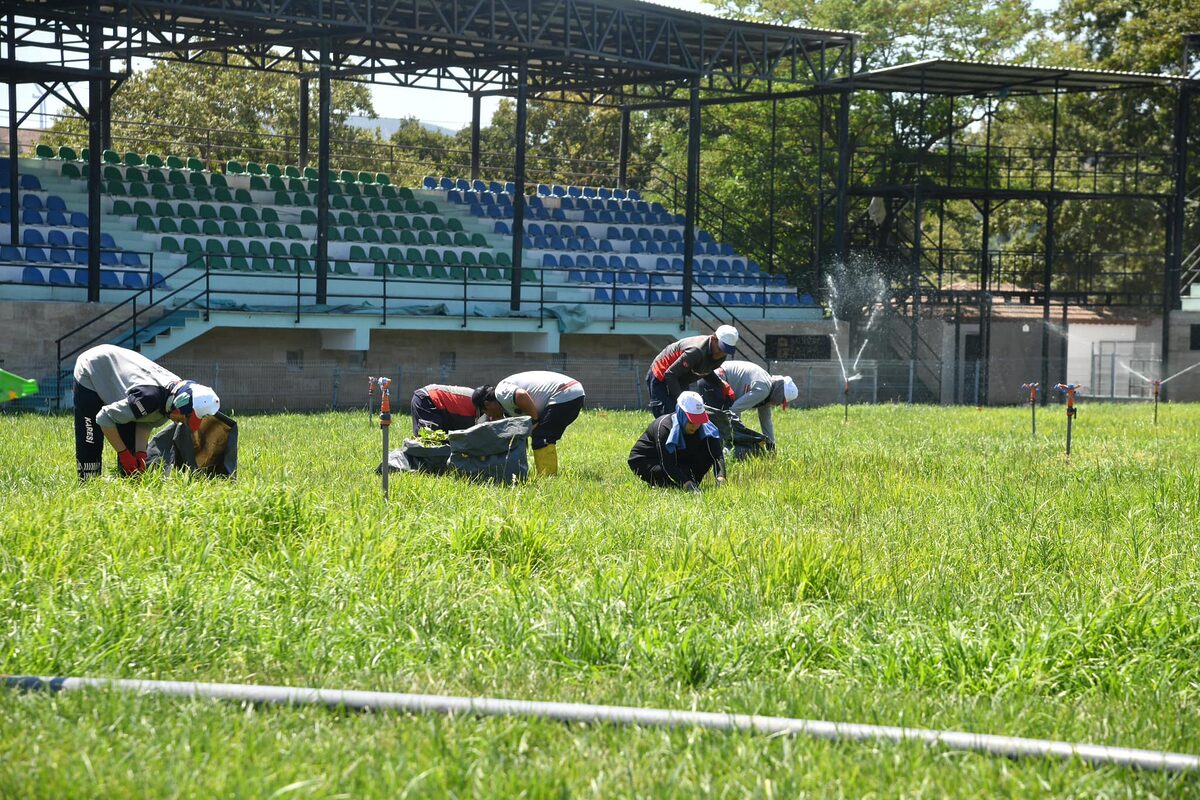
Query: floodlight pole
column 691, row 202
column 95, row 145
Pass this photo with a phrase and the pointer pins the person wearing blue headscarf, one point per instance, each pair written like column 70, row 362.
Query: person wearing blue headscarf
column 678, row 449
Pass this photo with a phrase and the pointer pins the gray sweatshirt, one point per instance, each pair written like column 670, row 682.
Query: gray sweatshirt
column 132, row 387
column 544, row 388
column 753, row 387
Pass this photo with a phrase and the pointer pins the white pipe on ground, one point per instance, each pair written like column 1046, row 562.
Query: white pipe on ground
column 989, row 744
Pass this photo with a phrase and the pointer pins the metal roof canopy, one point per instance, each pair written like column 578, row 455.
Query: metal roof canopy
column 603, row 48
column 953, row 77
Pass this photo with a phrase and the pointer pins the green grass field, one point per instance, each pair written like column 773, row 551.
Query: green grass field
column 919, row 566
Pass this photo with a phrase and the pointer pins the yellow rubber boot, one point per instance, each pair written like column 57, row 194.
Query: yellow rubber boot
column 545, row 460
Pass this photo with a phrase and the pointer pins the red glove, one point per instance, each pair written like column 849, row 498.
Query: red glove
column 128, row 463
column 141, row 460
column 729, row 395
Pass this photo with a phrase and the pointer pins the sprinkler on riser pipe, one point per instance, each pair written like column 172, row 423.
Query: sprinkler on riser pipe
column 385, row 422
column 370, row 399
column 1157, row 387
column 846, row 401
column 1032, row 388
column 1069, row 389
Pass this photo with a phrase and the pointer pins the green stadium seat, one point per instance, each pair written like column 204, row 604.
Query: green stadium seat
column 485, row 259
column 252, row 229
column 142, row 208
column 387, row 192
column 439, row 273
column 110, row 157
column 217, row 181
column 185, row 210
column 235, row 247
column 189, row 226
column 154, row 161
column 338, row 202
column 210, row 227
column 412, row 207
column 334, row 235
column 527, row 275
column 475, row 274
column 112, row 173
column 160, row 191
column 298, row 185
column 231, row 229
column 419, row 224
column 242, row 196
column 309, row 217
column 163, row 209
column 252, row 168
column 302, row 199
column 457, row 274
column 192, row 247
column 350, row 190
column 346, row 176
column 134, row 175
column 176, row 178
column 207, row 211
column 408, row 237
column 428, row 207
column 249, row 214
column 234, row 168
column 371, row 235
column 504, row 259
column 121, row 208
column 342, row 268
column 283, row 199
column 299, row 250
column 454, row 224
column 305, row 267
column 351, row 234
column 156, row 176
column 425, row 237
column 169, row 244
column 227, row 213
column 382, row 180
column 292, row 171
column 413, row 256
column 195, row 164
column 257, row 248
column 202, row 194
column 451, row 257
column 371, row 193
column 276, row 184
column 358, row 204
column 343, row 217
column 443, row 238
column 138, row 190
column 133, row 160
column 273, row 170
column 272, row 230
column 400, row 221
column 260, row 264
column 394, row 206
column 71, row 171
column 284, row 265
column 388, row 236
column 311, row 173
column 239, row 263
column 460, row 239
column 363, row 177
column 259, row 184
column 292, row 232
column 419, row 270
column 221, row 194
column 404, row 193
column 175, row 162
column 269, row 215
column 197, row 179
column 180, row 192
column 217, row 262
column 433, row 256
column 381, row 270
column 43, row 151
column 167, row 225
column 66, row 153
column 146, row 225
column 478, row 240
column 277, row 249
column 357, row 253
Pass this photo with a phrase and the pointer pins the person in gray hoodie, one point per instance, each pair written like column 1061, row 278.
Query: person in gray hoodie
column 752, row 388
column 126, row 396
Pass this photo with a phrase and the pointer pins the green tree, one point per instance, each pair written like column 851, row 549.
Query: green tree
column 223, row 113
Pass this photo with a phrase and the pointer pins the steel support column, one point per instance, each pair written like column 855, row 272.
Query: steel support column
column 843, row 176
column 14, row 148
column 1048, row 263
column 1176, row 211
column 106, row 108
column 623, row 150
column 518, row 200
column 324, row 102
column 302, row 156
column 95, row 145
column 985, row 262
column 771, row 198
column 914, row 332
column 819, row 209
column 476, row 127
column 691, row 203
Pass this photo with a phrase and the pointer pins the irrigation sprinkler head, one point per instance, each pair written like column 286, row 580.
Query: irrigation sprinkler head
column 1157, row 386
column 1033, row 390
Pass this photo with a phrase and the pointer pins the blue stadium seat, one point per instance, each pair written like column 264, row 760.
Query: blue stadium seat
column 636, row 247
column 631, row 263
column 31, row 217
column 543, row 189
column 548, row 260
column 604, row 193
column 496, row 188
column 614, row 262
column 33, row 275
column 504, row 200
column 55, row 203
column 590, row 216
column 108, row 258
column 57, row 239
column 429, row 182
column 56, row 218
column 81, row 257
column 106, row 240
column 640, row 278
column 662, row 265
column 59, row 277
column 591, row 276
column 575, row 276
column 621, row 296
column 463, row 185
column 36, row 255
column 625, row 277
column 567, row 204
column 605, row 246
column 31, row 202
column 805, row 299
column 454, row 196
column 589, row 191
column 129, row 259
column 109, row 279
column 32, row 237
column 633, row 194
column 446, row 184
column 502, row 227
column 132, row 280
column 31, row 183
column 8, row 253
column 479, row 186
column 558, row 191
column 81, row 277
column 60, row 256
column 510, row 187
column 602, row 296
column 486, row 199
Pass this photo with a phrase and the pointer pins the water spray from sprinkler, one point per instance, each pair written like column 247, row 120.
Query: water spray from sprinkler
column 385, row 422
column 1069, row 389
column 1033, row 390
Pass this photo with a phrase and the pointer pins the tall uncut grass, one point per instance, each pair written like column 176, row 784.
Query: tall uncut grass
column 918, row 566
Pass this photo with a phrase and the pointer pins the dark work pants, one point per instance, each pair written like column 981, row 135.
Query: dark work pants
column 655, row 475
column 427, row 415
column 554, row 421
column 89, row 440
column 661, row 401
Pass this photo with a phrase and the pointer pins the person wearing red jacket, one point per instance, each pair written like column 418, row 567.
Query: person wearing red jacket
column 686, row 361
column 441, row 407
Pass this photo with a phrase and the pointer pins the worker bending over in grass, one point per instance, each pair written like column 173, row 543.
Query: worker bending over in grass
column 439, row 407
column 127, row 395
column 687, row 361
column 679, row 449
column 552, row 400
column 752, row 388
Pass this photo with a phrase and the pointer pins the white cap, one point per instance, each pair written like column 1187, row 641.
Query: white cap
column 691, row 404
column 727, row 335
column 790, row 390
column 195, row 401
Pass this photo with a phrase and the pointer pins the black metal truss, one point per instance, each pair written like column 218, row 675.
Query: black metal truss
column 602, row 47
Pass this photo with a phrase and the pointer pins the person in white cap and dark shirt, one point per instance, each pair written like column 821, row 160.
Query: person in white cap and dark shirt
column 678, row 449
column 552, row 400
column 126, row 396
column 753, row 388
column 686, row 361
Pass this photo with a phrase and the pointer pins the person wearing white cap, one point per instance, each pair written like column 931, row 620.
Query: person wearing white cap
column 679, row 449
column 686, row 361
column 753, row 388
column 126, row 395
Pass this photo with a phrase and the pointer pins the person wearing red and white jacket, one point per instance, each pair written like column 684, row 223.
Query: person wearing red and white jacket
column 686, row 361
column 441, row 407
